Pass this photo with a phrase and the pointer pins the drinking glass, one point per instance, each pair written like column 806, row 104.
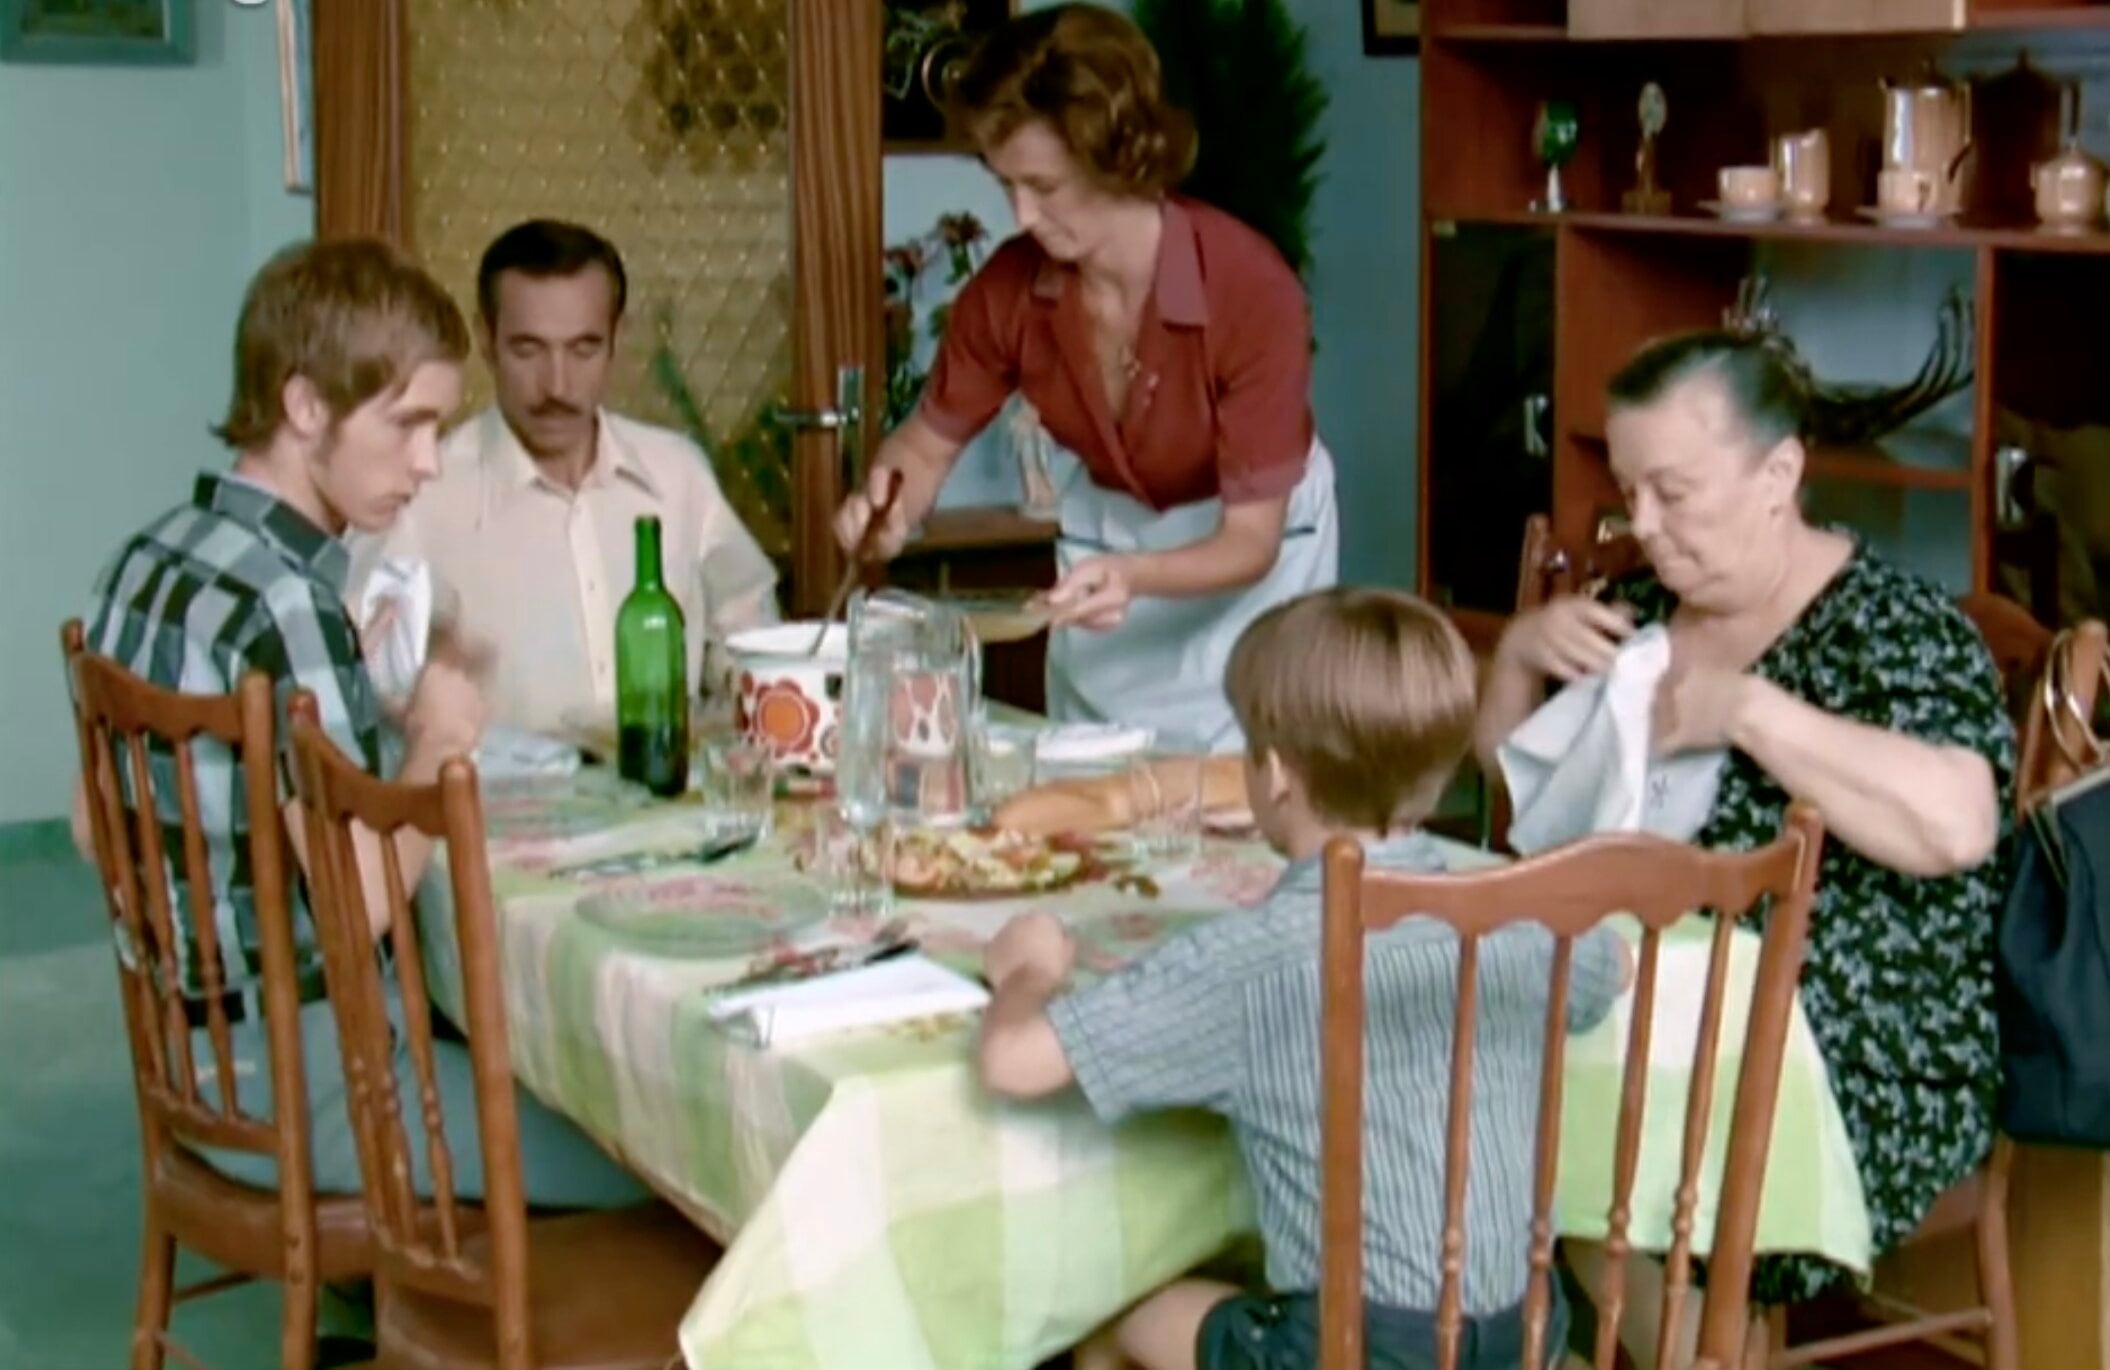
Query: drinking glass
column 1165, row 792
column 854, row 864
column 1002, row 763
column 853, row 847
column 738, row 781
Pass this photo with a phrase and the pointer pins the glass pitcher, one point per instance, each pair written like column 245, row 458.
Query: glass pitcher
column 913, row 691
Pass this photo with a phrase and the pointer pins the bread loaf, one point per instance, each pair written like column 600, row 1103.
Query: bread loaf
column 1107, row 803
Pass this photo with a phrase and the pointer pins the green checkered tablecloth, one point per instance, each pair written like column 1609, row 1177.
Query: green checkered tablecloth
column 878, row 1208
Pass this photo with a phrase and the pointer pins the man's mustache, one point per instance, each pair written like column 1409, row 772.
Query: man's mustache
column 550, row 409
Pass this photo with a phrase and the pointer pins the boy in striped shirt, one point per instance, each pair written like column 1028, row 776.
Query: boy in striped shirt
column 1356, row 705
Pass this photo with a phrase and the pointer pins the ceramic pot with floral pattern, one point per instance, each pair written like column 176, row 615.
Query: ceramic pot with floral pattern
column 787, row 696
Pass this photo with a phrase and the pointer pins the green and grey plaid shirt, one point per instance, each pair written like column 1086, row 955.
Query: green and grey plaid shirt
column 1225, row 1016
column 234, row 581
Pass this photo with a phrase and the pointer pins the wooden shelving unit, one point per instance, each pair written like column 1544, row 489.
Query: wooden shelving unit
column 1850, row 232
column 2073, row 18
column 1851, row 466
column 1610, row 280
column 1526, row 316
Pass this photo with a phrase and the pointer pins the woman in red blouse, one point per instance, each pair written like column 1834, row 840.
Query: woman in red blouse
column 1167, row 349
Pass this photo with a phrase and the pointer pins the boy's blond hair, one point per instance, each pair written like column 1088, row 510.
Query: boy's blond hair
column 353, row 315
column 1368, row 695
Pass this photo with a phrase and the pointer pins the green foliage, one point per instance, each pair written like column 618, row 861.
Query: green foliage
column 753, row 466
column 1238, row 66
column 954, row 245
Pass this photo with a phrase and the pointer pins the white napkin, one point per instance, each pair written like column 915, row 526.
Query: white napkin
column 394, row 661
column 509, row 752
column 891, row 991
column 1581, row 764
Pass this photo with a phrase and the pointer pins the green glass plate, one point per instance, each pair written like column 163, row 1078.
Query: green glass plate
column 703, row 916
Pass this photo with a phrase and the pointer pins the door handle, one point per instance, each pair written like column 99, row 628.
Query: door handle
column 1538, row 408
column 845, row 417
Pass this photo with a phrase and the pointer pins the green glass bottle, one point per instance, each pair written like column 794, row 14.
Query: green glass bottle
column 651, row 678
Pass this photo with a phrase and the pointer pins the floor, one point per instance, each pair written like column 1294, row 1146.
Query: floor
column 69, row 1140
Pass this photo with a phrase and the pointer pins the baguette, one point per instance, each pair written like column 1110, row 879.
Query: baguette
column 1106, row 803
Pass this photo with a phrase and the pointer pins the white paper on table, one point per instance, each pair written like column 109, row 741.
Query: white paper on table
column 891, row 991
column 1582, row 764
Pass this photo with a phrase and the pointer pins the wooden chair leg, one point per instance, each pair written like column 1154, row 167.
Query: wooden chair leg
column 1767, row 1338
column 157, row 1278
column 1996, row 1284
column 297, row 1321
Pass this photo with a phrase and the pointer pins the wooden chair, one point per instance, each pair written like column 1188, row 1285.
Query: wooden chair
column 1572, row 890
column 1549, row 568
column 1546, row 570
column 287, row 1233
column 463, row 1287
column 2051, row 683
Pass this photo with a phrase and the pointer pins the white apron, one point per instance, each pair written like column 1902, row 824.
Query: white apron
column 1163, row 668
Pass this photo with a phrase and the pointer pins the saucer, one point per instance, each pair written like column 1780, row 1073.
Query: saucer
column 1902, row 218
column 1742, row 214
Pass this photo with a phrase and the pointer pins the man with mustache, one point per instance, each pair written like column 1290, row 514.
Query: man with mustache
column 528, row 529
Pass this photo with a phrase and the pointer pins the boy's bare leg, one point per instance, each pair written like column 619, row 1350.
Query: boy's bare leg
column 1641, row 1319
column 1158, row 1333
column 1100, row 1351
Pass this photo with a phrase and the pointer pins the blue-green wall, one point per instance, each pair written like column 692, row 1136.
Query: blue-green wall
column 134, row 203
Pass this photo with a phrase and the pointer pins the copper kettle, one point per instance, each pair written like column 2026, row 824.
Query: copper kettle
column 1927, row 128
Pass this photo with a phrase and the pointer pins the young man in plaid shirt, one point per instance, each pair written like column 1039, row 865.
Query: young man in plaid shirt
column 348, row 358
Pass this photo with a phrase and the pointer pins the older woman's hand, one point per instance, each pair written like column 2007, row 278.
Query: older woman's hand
column 1695, row 707
column 1567, row 637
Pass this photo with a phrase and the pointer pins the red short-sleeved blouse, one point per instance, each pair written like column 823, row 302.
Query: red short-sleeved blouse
column 1221, row 403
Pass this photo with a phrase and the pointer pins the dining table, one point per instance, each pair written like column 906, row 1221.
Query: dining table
column 878, row 1207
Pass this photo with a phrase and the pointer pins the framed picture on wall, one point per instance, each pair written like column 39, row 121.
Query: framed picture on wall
column 296, row 92
column 1391, row 28
column 102, row 32
column 927, row 43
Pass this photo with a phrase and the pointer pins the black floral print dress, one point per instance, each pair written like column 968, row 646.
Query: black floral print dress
column 1898, row 981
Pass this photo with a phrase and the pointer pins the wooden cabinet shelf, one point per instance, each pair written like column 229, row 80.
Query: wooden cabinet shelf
column 2073, row 19
column 1503, row 33
column 1872, row 466
column 1866, row 465
column 2022, row 18
column 1830, row 230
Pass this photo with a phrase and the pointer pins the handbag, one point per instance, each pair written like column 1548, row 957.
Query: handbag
column 2052, row 952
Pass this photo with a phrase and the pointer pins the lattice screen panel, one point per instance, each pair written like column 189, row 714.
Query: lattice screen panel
column 661, row 124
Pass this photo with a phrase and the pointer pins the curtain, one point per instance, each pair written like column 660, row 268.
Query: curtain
column 361, row 166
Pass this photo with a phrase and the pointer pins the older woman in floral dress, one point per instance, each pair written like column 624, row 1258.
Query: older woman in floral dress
column 1834, row 677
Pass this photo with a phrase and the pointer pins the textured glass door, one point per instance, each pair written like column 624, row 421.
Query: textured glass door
column 679, row 129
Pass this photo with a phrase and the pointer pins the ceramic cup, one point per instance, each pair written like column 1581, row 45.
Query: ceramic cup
column 2069, row 190
column 1749, row 187
column 1804, row 163
column 1905, row 190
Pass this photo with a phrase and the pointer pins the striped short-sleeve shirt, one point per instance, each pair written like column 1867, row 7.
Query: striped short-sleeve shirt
column 235, row 581
column 1225, row 1017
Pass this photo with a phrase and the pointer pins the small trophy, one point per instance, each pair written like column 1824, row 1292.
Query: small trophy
column 1647, row 197
column 1555, row 136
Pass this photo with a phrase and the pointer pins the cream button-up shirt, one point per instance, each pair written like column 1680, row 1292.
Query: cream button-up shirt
column 537, row 571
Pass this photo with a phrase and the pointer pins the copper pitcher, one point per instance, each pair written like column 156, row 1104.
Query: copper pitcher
column 1927, row 128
